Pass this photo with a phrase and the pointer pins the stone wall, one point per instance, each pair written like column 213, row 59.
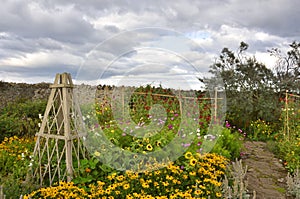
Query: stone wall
column 12, row 92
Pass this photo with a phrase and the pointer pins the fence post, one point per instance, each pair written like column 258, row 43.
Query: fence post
column 180, row 103
column 287, row 133
column 216, row 104
column 2, row 196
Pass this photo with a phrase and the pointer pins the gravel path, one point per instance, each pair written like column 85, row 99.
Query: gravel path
column 266, row 175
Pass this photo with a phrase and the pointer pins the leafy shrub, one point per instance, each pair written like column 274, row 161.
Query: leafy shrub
column 21, row 118
column 289, row 151
column 15, row 161
column 229, row 144
column 260, row 130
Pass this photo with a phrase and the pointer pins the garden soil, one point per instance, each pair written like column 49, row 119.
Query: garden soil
column 266, row 174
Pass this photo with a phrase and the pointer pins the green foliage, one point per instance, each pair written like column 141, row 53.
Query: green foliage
column 260, row 130
column 289, row 151
column 90, row 171
column 288, row 139
column 229, row 144
column 253, row 90
column 15, row 161
column 21, row 118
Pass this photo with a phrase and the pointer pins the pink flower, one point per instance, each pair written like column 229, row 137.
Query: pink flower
column 227, row 124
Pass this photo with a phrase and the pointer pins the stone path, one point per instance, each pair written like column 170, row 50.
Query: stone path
column 266, row 175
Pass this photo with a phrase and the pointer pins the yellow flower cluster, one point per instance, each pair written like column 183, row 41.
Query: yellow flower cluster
column 63, row 190
column 14, row 149
column 15, row 145
column 201, row 178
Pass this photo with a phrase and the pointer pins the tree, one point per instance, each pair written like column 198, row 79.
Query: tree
column 287, row 68
column 249, row 86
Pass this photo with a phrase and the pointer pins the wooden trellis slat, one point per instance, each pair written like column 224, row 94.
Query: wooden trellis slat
column 58, row 143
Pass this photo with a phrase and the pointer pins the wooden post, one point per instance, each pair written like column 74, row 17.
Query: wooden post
column 180, row 102
column 123, row 102
column 67, row 129
column 215, row 104
column 287, row 115
column 2, row 196
column 56, row 137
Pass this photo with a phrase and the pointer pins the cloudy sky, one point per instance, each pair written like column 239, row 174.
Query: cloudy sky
column 136, row 42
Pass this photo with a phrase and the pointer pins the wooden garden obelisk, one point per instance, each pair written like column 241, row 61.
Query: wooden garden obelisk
column 58, row 146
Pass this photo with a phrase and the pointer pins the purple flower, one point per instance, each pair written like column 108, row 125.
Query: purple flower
column 176, row 114
column 240, row 130
column 227, row 124
column 170, row 126
column 181, row 167
column 186, row 145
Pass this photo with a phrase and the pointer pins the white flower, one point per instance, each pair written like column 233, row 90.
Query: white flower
column 209, row 136
column 40, row 116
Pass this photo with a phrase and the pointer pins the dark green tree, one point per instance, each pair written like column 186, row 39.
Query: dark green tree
column 249, row 87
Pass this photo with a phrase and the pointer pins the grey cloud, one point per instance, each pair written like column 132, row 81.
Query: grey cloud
column 73, row 28
column 29, row 21
column 48, row 72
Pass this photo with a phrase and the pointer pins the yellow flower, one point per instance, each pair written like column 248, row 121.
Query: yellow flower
column 96, row 153
column 149, row 147
column 157, row 172
column 120, row 177
column 165, row 184
column 188, row 155
column 145, row 185
column 193, row 162
column 108, row 191
column 126, row 186
column 218, row 195
column 192, row 173
column 198, row 192
column 158, row 143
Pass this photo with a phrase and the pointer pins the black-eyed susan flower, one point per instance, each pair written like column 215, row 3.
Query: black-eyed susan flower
column 158, row 143
column 149, row 147
column 198, row 192
column 193, row 162
column 188, row 155
column 192, row 173
column 120, row 178
column 126, row 186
